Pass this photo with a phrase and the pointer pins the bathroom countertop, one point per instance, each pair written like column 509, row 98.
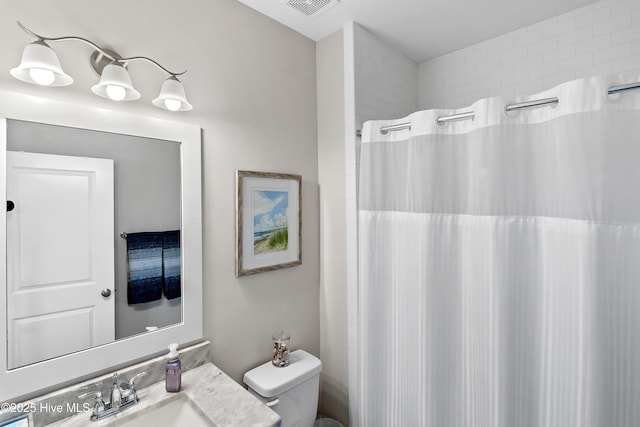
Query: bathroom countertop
column 220, row 398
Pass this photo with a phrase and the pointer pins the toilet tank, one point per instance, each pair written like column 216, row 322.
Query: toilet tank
column 291, row 391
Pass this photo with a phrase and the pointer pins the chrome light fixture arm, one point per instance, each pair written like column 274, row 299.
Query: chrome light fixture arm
column 137, row 58
column 64, row 38
column 123, row 61
column 40, row 65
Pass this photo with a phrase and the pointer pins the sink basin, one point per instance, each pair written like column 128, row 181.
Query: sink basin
column 178, row 410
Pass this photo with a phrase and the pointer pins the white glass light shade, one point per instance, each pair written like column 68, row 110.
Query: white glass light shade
column 42, row 76
column 115, row 92
column 40, row 65
column 113, row 81
column 172, row 96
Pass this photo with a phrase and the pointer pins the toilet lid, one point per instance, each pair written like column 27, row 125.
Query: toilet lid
column 268, row 380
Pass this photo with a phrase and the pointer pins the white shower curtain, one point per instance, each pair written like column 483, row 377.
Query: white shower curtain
column 499, row 265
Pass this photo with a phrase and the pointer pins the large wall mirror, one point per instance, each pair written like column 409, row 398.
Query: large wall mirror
column 102, row 242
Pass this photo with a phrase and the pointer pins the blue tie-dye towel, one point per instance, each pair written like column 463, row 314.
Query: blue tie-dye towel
column 144, row 253
column 171, row 263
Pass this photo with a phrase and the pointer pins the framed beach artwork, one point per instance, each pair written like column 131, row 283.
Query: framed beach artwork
column 268, row 221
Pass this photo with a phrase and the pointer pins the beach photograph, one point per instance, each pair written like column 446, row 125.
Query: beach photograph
column 270, row 221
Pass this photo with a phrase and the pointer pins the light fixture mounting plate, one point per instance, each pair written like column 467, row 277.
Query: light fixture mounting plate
column 98, row 60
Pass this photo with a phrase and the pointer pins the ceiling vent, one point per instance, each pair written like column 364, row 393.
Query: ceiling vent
column 311, row 7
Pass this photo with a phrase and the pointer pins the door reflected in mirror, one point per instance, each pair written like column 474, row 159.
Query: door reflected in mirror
column 93, row 238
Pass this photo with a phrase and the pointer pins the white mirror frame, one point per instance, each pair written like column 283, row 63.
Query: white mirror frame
column 30, row 380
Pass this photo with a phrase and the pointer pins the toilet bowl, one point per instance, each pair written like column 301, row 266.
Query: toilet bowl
column 291, row 391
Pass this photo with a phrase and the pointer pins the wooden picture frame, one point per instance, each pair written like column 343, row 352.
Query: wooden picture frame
column 268, row 221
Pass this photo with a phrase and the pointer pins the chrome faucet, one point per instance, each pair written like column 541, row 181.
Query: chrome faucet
column 116, row 395
column 123, row 394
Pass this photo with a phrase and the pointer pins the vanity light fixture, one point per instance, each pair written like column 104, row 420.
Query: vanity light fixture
column 40, row 65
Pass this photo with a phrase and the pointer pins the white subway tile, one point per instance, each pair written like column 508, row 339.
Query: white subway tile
column 593, row 44
column 485, row 62
column 500, row 44
column 528, row 62
column 629, row 63
column 611, row 25
column 543, row 70
column 542, row 45
column 591, row 18
column 489, row 83
column 523, row 37
column 625, row 35
column 468, row 88
column 557, row 26
column 575, row 62
column 505, row 92
column 455, row 102
column 611, row 53
column 575, row 36
column 601, row 69
column 472, row 54
column 453, row 59
column 499, row 69
column 556, row 79
column 597, row 39
column 531, row 86
column 534, row 32
column 514, row 78
column 623, row 7
column 513, row 55
column 471, row 98
column 559, row 54
column 473, row 75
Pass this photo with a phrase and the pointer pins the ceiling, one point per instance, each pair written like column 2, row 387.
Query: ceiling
column 421, row 29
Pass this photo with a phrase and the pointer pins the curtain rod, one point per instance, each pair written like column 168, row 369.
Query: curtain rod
column 622, row 88
column 509, row 107
column 456, row 117
column 531, row 104
column 385, row 130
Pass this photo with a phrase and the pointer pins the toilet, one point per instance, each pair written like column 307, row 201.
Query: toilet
column 291, row 391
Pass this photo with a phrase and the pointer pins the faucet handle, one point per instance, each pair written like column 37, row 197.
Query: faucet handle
column 136, row 376
column 97, row 394
column 132, row 387
column 98, row 406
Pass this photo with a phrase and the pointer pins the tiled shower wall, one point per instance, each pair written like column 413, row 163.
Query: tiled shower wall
column 380, row 83
column 386, row 84
column 601, row 38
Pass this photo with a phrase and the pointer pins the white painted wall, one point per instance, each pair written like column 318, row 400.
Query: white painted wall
column 333, row 269
column 598, row 39
column 252, row 82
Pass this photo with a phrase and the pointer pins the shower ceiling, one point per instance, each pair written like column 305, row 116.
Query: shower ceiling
column 421, row 29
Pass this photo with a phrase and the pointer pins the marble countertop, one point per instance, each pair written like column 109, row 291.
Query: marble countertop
column 222, row 400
